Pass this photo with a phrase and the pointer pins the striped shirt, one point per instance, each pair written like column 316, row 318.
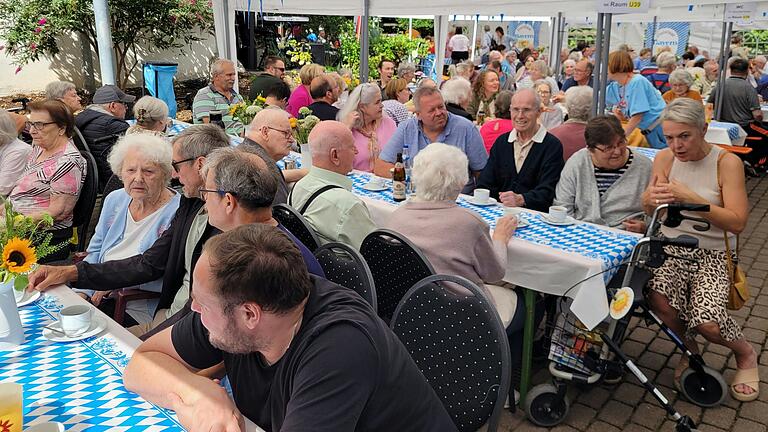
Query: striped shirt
column 61, row 174
column 208, row 99
column 606, row 178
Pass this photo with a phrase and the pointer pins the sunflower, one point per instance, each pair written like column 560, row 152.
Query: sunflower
column 18, row 255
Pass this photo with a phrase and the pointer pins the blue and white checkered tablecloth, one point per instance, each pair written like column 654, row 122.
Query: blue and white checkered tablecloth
column 732, row 128
column 609, row 246
column 648, row 152
column 78, row 384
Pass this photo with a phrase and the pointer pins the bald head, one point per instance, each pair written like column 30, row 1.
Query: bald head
column 333, row 147
column 272, row 130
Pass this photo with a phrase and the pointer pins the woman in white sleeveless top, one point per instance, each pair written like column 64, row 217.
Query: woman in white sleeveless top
column 693, row 302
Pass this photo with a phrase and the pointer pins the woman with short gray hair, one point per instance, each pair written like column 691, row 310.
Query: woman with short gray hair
column 457, row 94
column 134, row 216
column 371, row 128
column 681, row 81
column 578, row 104
column 66, row 92
column 692, row 299
column 435, row 223
column 13, row 154
column 151, row 116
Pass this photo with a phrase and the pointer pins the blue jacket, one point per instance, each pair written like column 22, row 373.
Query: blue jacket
column 111, row 227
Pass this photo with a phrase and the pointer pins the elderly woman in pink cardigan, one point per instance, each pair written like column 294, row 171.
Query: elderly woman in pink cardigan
column 436, row 224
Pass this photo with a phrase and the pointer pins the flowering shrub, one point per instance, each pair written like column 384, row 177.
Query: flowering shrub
column 302, row 127
column 245, row 111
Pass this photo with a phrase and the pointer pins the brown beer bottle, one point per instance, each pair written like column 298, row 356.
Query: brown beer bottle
column 398, row 180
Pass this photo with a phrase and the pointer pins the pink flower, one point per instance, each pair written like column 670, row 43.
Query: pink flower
column 38, row 29
column 42, row 21
column 33, row 46
column 18, row 69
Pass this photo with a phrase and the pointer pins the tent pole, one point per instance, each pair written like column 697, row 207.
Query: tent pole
column 410, row 28
column 604, row 63
column 104, row 41
column 552, row 36
column 474, row 40
column 558, row 44
column 364, row 41
column 653, row 34
column 727, row 30
column 598, row 62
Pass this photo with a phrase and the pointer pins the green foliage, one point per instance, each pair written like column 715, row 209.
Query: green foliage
column 333, row 24
column 424, row 26
column 300, row 52
column 755, row 40
column 31, row 28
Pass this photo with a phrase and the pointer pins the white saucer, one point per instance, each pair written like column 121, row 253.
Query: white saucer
column 46, row 427
column 490, row 202
column 568, row 220
column 97, row 325
column 374, row 188
column 522, row 223
column 28, row 298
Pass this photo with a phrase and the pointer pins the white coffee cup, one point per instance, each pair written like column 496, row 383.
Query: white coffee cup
column 517, row 212
column 376, row 182
column 482, row 195
column 558, row 214
column 75, row 319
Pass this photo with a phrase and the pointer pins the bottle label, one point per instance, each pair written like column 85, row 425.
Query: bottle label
column 398, row 190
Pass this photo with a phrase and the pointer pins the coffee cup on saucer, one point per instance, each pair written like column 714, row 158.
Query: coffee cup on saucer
column 75, row 320
column 481, row 196
column 558, row 214
column 375, row 182
column 517, row 212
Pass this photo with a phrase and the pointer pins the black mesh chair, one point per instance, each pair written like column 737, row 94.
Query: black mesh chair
column 345, row 266
column 458, row 342
column 81, row 215
column 296, row 224
column 114, row 183
column 396, row 265
column 80, row 142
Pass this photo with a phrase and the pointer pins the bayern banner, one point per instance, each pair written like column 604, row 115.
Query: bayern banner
column 524, row 34
column 673, row 35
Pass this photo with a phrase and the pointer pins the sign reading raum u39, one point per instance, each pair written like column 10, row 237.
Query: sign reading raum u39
column 623, row 6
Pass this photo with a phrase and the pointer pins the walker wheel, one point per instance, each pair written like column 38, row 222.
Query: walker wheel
column 705, row 389
column 544, row 407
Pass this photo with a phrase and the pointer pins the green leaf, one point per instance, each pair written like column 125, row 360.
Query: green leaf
column 21, row 282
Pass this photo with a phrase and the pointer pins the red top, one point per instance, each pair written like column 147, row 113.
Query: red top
column 492, row 129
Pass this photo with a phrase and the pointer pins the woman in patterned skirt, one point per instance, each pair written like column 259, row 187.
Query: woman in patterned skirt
column 692, row 298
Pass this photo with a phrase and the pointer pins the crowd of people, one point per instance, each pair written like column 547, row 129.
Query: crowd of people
column 511, row 126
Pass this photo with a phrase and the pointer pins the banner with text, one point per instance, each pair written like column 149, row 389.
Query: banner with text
column 524, row 34
column 669, row 35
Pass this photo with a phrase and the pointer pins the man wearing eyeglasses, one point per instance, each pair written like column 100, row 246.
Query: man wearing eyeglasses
column 524, row 165
column 274, row 70
column 101, row 120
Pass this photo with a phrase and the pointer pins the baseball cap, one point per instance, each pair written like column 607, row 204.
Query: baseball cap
column 111, row 93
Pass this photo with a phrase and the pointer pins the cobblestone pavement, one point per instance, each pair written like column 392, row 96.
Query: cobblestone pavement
column 628, row 407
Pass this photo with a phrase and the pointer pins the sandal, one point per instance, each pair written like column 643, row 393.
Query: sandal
column 682, row 365
column 751, row 379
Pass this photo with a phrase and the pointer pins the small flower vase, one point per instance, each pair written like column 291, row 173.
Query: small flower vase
column 11, row 330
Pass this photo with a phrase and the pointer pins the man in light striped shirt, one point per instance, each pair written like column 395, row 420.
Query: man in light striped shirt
column 219, row 96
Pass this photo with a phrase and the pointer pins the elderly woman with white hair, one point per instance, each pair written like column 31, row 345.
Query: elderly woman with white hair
column 538, row 70
column 371, row 128
column 13, row 154
column 151, row 116
column 551, row 114
column 578, row 103
column 681, row 81
column 66, row 92
column 136, row 215
column 457, row 94
column 665, row 64
column 568, row 67
column 436, row 224
column 406, row 71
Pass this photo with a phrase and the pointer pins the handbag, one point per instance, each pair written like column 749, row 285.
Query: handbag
column 738, row 290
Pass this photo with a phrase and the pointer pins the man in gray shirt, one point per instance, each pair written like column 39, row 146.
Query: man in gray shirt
column 740, row 103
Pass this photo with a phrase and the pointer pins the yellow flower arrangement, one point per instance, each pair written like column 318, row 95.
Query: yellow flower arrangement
column 293, row 122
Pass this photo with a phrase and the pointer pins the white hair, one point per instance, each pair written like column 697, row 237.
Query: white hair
column 153, row 148
column 681, row 76
column 149, row 110
column 456, row 90
column 58, row 89
column 578, row 102
column 541, row 66
column 569, row 62
column 362, row 94
column 440, row 171
column 218, row 65
column 8, row 131
column 686, row 111
column 665, row 60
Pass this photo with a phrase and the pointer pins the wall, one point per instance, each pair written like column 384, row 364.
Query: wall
column 71, row 64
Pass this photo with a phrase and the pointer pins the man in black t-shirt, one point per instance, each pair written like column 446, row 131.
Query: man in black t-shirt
column 300, row 352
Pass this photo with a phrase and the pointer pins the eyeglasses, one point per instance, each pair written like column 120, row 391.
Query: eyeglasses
column 202, row 191
column 38, row 125
column 287, row 134
column 282, row 69
column 525, row 111
column 175, row 164
column 620, row 145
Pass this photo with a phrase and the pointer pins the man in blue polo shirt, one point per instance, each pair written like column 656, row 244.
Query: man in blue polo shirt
column 433, row 123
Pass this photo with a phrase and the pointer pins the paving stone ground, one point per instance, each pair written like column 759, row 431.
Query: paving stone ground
column 628, row 407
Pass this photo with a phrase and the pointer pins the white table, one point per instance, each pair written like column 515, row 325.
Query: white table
column 80, row 383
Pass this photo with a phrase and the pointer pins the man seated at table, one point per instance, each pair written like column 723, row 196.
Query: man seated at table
column 300, row 352
column 218, row 97
column 270, row 135
column 433, row 123
column 276, row 95
column 524, row 165
column 600, row 184
column 582, row 76
column 325, row 92
column 705, row 83
column 740, row 102
column 325, row 195
column 274, row 69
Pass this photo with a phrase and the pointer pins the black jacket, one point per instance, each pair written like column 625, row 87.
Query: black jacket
column 165, row 258
column 538, row 177
column 94, row 126
column 459, row 111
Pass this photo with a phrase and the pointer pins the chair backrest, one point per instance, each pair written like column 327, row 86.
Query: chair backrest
column 80, row 142
column 396, row 265
column 114, row 183
column 81, row 215
column 459, row 343
column 345, row 266
column 296, row 224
